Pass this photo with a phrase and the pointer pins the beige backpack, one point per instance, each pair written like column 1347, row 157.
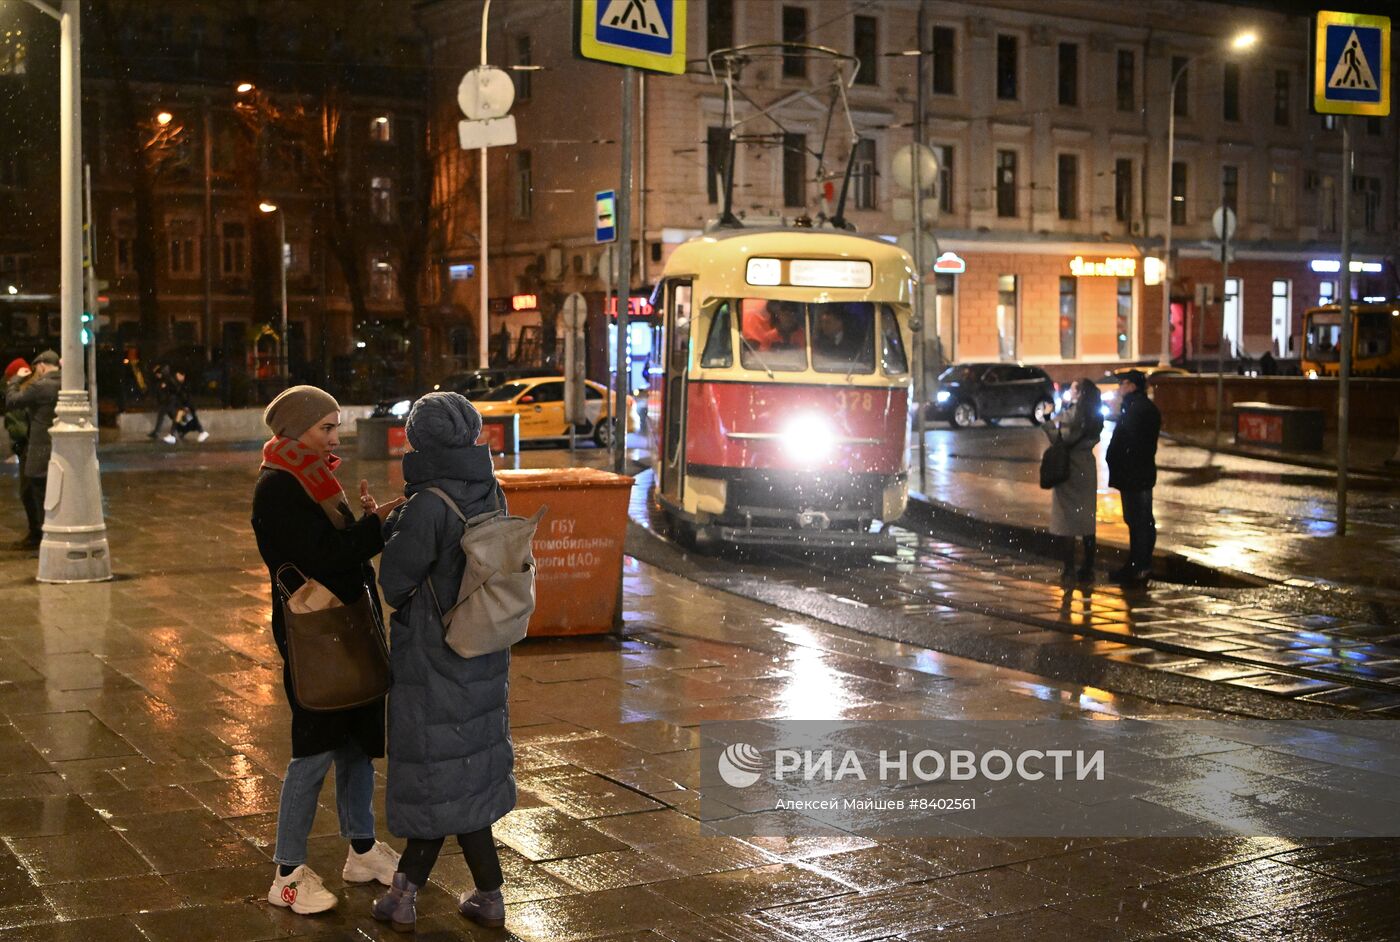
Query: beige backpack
column 497, row 594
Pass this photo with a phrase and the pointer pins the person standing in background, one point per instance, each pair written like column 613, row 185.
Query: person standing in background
column 37, row 398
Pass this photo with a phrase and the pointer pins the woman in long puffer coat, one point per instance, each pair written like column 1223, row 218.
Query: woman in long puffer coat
column 450, row 756
column 1075, row 499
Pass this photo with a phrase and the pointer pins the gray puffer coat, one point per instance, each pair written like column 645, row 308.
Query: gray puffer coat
column 450, row 756
column 1075, row 499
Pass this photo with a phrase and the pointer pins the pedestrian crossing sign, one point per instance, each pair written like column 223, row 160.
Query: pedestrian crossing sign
column 644, row 34
column 1351, row 64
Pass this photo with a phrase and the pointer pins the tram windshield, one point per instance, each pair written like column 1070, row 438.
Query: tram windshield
column 1324, row 336
column 833, row 337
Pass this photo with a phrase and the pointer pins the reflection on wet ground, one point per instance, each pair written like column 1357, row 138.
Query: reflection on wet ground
column 143, row 736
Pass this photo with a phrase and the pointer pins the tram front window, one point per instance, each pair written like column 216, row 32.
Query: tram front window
column 1324, row 338
column 774, row 335
column 844, row 340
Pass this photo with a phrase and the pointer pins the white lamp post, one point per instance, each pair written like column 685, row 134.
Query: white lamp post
column 267, row 207
column 1242, row 42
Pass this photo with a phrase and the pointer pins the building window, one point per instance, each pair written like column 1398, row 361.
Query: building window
column 1007, row 316
column 524, row 185
column 1230, row 91
column 298, row 252
column 1123, row 325
column 233, row 249
column 1067, row 186
column 1181, row 105
column 1280, row 199
column 381, row 129
column 794, row 31
column 719, row 25
column 1370, row 190
column 524, row 56
column 1230, row 187
column 1327, row 203
column 1283, row 98
column 863, row 173
column 1123, row 190
column 794, row 170
column 716, row 160
column 944, row 153
column 381, row 198
column 1006, row 183
column 124, row 246
column 1281, row 309
column 1008, row 67
column 1069, row 317
column 13, row 52
column 1069, row 75
column 182, row 242
column 945, row 60
column 865, row 41
column 1127, row 80
column 1178, row 193
column 382, row 286
column 1329, row 122
column 1230, row 327
column 1326, row 292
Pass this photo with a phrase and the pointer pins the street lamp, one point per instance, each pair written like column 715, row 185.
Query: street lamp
column 268, row 207
column 164, row 118
column 1240, row 43
column 244, row 88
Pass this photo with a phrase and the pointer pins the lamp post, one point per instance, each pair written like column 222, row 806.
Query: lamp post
column 267, row 207
column 1241, row 42
column 74, row 547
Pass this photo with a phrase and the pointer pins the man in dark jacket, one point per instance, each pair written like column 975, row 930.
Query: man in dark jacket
column 38, row 398
column 1132, row 469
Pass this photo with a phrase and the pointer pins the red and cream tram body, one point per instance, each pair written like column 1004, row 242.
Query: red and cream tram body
column 781, row 387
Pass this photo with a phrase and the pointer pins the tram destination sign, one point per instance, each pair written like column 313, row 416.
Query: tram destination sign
column 809, row 272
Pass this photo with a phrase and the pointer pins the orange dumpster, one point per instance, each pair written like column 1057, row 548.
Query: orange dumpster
column 578, row 547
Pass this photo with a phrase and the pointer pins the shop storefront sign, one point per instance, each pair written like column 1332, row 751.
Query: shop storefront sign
column 1107, row 268
column 949, row 263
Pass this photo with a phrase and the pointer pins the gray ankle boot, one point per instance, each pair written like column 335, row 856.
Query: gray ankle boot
column 484, row 909
column 398, row 907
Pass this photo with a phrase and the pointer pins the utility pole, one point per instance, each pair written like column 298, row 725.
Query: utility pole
column 74, row 548
column 920, row 290
column 624, row 273
column 1344, row 364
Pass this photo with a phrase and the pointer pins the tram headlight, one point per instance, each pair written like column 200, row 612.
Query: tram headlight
column 809, row 436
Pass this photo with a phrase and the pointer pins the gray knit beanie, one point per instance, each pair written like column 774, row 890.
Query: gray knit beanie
column 297, row 409
column 443, row 420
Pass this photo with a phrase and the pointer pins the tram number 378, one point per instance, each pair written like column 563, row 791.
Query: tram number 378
column 851, row 400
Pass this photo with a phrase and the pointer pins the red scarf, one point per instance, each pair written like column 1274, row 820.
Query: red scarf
column 315, row 474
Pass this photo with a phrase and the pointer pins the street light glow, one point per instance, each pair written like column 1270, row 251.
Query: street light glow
column 1245, row 40
column 244, row 88
column 267, row 207
column 164, row 118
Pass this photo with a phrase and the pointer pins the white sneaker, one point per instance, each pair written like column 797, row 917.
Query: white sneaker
column 302, row 891
column 377, row 863
column 169, row 439
column 203, row 437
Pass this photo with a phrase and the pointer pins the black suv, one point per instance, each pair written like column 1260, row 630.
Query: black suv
column 992, row 392
column 470, row 383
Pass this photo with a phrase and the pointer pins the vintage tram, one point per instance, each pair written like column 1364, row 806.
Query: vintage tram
column 781, row 387
column 1375, row 339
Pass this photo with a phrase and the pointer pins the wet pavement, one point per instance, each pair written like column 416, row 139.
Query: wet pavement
column 1227, row 512
column 144, row 736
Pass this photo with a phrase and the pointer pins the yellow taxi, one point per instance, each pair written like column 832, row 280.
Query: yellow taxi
column 539, row 401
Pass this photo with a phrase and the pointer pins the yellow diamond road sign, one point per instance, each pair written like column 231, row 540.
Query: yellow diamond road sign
column 645, row 34
column 1351, row 64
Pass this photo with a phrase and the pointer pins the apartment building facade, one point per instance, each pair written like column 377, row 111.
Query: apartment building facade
column 1050, row 123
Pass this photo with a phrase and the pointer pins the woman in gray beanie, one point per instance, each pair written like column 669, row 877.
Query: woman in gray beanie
column 301, row 516
column 450, row 757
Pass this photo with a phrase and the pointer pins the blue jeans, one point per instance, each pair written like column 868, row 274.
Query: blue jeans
column 354, row 795
column 1142, row 528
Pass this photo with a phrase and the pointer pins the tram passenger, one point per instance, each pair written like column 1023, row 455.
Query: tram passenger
column 842, row 342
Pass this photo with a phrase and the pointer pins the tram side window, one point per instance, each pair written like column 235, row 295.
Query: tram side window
column 843, row 338
column 893, row 359
column 1373, row 335
column 719, row 344
column 774, row 335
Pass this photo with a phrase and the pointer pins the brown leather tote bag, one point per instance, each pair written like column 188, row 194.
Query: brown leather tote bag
column 337, row 655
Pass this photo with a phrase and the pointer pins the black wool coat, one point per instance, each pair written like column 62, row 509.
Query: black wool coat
column 292, row 528
column 1132, row 452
